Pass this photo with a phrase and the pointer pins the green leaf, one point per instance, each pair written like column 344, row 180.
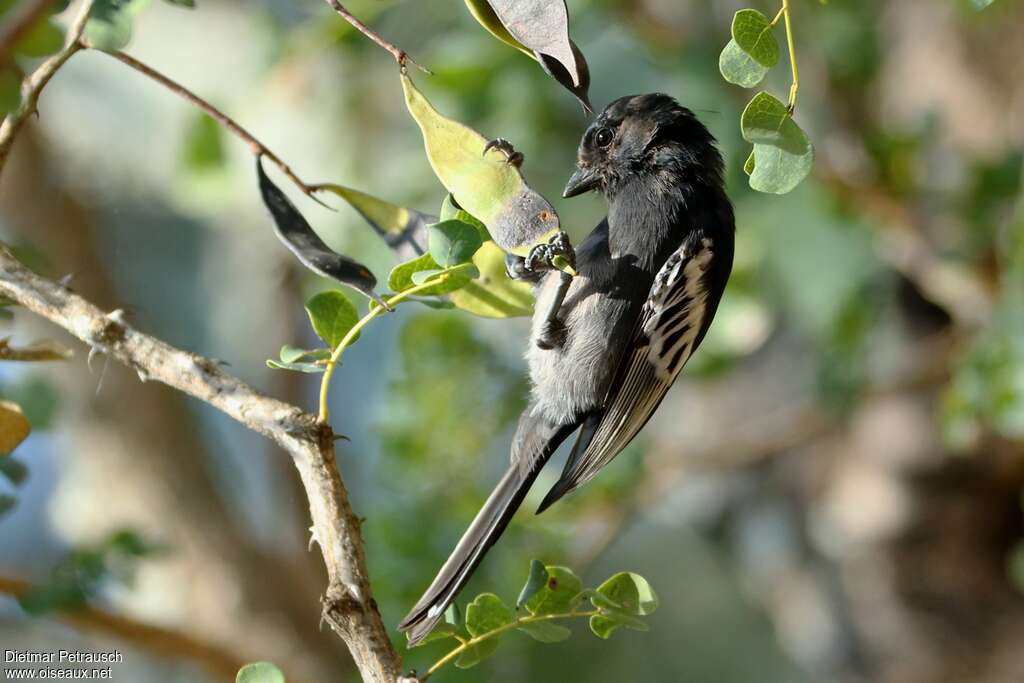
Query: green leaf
column 475, row 654
column 10, row 89
column 450, row 210
column 400, row 278
column 603, row 625
column 402, row 275
column 535, row 582
column 766, row 120
column 259, row 672
column 14, row 470
column 7, row 503
column 493, row 294
column 188, row 4
column 453, row 242
column 783, row 155
column 630, row 592
column 42, row 39
column 204, row 145
column 487, row 613
column 332, row 316
column 740, row 68
column 110, row 24
column 421, row 276
column 485, row 185
column 777, row 171
column 752, row 32
column 557, row 596
column 748, row 165
column 545, row 631
column 402, row 229
column 310, row 368
column 292, row 354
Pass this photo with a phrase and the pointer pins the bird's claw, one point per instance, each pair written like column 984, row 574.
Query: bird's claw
column 513, row 157
column 544, row 255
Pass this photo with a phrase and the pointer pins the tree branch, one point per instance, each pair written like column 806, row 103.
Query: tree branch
column 34, row 84
column 400, row 55
column 229, row 124
column 348, row 605
column 165, row 642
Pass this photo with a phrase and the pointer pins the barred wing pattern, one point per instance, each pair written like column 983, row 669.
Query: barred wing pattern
column 672, row 323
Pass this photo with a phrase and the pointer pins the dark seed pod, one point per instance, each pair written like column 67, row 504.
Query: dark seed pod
column 556, row 70
column 296, row 234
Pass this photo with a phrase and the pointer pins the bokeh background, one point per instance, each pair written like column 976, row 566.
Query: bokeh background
column 831, row 492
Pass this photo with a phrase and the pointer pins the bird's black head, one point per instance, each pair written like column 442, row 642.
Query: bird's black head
column 650, row 137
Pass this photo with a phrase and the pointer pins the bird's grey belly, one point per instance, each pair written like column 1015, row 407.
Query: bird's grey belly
column 572, row 379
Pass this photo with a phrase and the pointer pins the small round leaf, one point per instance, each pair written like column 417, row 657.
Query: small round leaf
column 259, row 672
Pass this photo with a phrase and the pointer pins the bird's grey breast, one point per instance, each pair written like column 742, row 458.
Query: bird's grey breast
column 573, row 378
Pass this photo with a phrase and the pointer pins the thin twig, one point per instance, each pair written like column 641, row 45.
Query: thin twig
column 400, row 55
column 164, row 642
column 325, row 383
column 229, row 124
column 348, row 604
column 473, row 642
column 16, row 29
column 33, row 85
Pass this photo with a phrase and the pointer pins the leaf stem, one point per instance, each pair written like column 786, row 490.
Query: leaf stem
column 225, row 121
column 375, row 310
column 792, row 56
column 533, row 618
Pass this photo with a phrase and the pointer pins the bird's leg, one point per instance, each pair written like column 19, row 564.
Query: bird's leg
column 542, row 257
column 552, row 331
column 515, row 158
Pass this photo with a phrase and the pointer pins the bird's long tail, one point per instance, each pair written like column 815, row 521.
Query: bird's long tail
column 482, row 533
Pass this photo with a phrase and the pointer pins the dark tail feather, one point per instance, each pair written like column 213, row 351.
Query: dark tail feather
column 565, row 482
column 482, row 533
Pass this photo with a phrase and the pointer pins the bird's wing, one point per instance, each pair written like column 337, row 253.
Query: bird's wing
column 672, row 323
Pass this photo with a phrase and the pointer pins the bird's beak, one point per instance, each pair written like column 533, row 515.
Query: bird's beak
column 583, row 180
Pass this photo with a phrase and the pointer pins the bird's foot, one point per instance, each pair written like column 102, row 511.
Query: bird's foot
column 542, row 256
column 513, row 157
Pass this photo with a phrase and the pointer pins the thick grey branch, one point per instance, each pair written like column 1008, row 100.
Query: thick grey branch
column 348, row 604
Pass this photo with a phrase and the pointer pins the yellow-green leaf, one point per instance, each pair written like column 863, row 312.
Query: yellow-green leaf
column 493, row 294
column 484, row 14
column 485, row 185
column 402, row 229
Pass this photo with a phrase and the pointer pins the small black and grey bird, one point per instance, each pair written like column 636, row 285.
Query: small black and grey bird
column 650, row 277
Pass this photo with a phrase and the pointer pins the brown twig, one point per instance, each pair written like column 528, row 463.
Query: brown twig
column 164, row 642
column 348, row 604
column 37, row 80
column 16, row 29
column 229, row 124
column 400, row 55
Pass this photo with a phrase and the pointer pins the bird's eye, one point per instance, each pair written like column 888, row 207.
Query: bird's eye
column 603, row 138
